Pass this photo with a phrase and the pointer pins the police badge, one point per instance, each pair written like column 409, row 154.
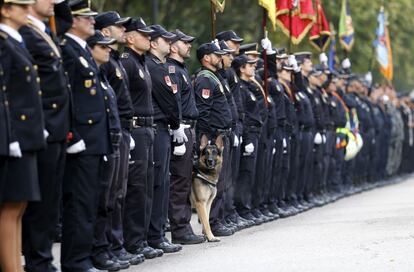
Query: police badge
column 141, row 74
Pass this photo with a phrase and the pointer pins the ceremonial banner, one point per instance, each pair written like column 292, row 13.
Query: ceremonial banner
column 346, row 28
column 383, row 47
column 320, row 33
column 295, row 21
column 270, row 6
column 332, row 53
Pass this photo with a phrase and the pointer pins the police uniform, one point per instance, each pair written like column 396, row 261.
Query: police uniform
column 41, row 218
column 166, row 116
column 118, row 80
column 181, row 167
column 4, row 115
column 140, row 188
column 26, row 118
column 81, row 183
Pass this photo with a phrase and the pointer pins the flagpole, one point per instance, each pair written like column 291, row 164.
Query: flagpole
column 213, row 21
column 290, row 30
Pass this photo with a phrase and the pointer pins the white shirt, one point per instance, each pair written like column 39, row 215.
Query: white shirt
column 12, row 32
column 39, row 24
column 81, row 42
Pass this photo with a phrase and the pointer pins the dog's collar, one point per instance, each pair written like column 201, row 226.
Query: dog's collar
column 205, row 179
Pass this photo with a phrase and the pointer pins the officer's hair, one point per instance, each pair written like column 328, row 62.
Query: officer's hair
column 238, row 73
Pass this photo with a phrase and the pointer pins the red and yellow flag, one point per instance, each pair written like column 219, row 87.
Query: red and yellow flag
column 320, row 34
column 270, row 6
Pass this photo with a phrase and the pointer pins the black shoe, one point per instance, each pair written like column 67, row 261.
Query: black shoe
column 122, row 264
column 166, row 246
column 256, row 213
column 230, row 225
column 106, row 264
column 148, row 252
column 249, row 216
column 268, row 213
column 273, row 208
column 188, row 239
column 93, row 269
column 132, row 259
column 244, row 222
column 220, row 230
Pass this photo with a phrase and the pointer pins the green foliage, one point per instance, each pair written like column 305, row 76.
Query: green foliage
column 245, row 17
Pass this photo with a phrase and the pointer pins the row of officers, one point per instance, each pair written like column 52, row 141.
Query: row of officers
column 104, row 140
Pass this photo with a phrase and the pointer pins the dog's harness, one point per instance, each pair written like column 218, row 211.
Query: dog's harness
column 203, row 178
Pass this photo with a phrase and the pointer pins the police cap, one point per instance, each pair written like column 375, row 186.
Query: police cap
column 240, row 61
column 139, row 25
column 249, row 49
column 99, row 39
column 207, row 49
column 18, row 2
column 159, row 31
column 110, row 18
column 301, row 56
column 229, row 35
column 81, row 8
column 181, row 36
column 224, row 46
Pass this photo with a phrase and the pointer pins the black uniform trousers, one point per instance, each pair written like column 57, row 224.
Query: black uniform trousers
column 181, row 168
column 305, row 161
column 348, row 173
column 159, row 213
column 293, row 188
column 337, row 184
column 109, row 176
column 81, row 190
column 247, row 174
column 40, row 218
column 117, row 200
column 329, row 160
column 314, row 187
column 140, row 189
column 278, row 187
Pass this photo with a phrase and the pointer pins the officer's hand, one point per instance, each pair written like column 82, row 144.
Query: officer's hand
column 318, row 138
column 76, row 148
column 14, row 150
column 179, row 134
column 131, row 143
column 267, row 46
column 284, row 143
column 179, row 150
column 248, row 149
column 346, row 64
column 323, row 59
column 294, row 63
column 236, row 141
column 45, row 134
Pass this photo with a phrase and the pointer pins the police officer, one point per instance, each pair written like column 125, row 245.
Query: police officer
column 214, row 118
column 20, row 85
column 140, row 189
column 232, row 40
column 181, row 165
column 88, row 143
column 41, row 218
column 113, row 26
column 167, row 115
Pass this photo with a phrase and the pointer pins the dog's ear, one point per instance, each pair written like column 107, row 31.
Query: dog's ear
column 220, row 143
column 203, row 142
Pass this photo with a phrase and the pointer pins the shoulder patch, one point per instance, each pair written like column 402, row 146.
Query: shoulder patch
column 174, row 88
column 167, row 80
column 171, row 69
column 205, row 93
column 125, row 55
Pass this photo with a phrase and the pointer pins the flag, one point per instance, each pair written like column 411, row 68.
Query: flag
column 218, row 6
column 332, row 52
column 346, row 28
column 301, row 20
column 270, row 6
column 320, row 33
column 383, row 47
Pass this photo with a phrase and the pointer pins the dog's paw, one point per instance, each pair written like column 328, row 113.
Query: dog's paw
column 213, row 239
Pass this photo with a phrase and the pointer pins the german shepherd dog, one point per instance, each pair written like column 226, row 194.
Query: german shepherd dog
column 205, row 178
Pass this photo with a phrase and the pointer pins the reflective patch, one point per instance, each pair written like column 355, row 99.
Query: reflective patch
column 118, row 73
column 84, row 62
column 205, row 93
column 171, row 69
column 141, row 73
column 185, row 79
column 104, row 86
column 252, row 97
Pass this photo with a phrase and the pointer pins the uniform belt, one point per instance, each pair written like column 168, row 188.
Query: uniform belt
column 115, row 137
column 305, row 128
column 253, row 128
column 225, row 132
column 191, row 123
column 139, row 121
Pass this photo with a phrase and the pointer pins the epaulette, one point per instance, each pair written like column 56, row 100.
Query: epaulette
column 125, row 55
column 157, row 61
column 63, row 42
column 3, row 35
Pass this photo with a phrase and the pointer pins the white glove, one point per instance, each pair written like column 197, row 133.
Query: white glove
column 179, row 150
column 284, row 143
column 248, row 149
column 267, row 46
column 14, row 150
column 131, row 143
column 45, row 134
column 318, row 138
column 324, row 138
column 236, row 141
column 368, row 77
column 179, row 134
column 346, row 64
column 273, row 151
column 76, row 148
column 323, row 59
column 241, row 139
column 294, row 63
